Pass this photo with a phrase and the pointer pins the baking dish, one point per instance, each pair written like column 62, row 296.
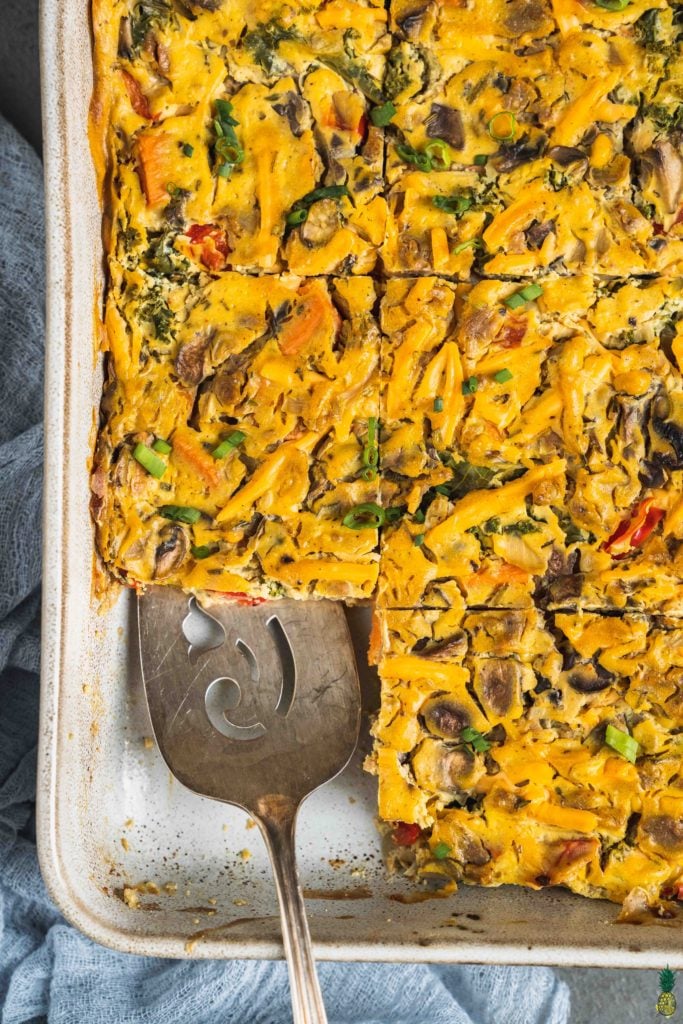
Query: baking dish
column 130, row 857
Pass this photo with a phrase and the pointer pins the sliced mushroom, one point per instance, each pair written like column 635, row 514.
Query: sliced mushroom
column 323, row 220
column 524, row 16
column 445, row 650
column 412, row 21
column 515, row 154
column 667, row 166
column 291, row 106
column 189, row 363
column 665, row 831
column 444, row 769
column 125, row 39
column 445, row 718
column 498, row 684
column 171, row 551
column 205, row 5
column 538, row 232
column 588, row 679
column 446, row 123
column 565, row 156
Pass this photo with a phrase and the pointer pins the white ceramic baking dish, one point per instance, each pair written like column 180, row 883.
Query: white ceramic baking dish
column 109, row 815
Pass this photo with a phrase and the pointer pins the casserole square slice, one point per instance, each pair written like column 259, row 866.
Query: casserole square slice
column 236, row 416
column 496, row 756
column 542, row 139
column 530, row 444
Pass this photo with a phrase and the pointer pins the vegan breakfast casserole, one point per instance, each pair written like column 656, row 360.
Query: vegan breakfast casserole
column 394, row 312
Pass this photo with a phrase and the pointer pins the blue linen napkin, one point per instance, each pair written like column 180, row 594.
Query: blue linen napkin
column 47, row 969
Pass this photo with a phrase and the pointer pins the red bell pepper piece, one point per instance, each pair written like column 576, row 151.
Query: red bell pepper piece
column 406, row 834
column 214, row 244
column 634, row 531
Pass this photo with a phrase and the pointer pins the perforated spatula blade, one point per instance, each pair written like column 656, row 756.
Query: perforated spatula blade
column 255, row 706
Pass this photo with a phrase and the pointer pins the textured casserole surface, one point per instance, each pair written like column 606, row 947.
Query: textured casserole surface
column 394, row 312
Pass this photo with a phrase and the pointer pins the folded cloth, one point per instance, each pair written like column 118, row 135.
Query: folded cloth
column 47, row 969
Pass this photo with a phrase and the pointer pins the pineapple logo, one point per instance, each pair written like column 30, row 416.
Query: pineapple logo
column 666, row 1004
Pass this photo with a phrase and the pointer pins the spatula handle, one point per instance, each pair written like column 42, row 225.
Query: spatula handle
column 277, row 816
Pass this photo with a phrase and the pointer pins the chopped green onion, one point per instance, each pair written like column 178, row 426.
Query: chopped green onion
column 149, row 461
column 531, row 292
column 413, row 156
column 419, row 516
column 180, row 513
column 438, row 404
column 226, row 446
column 622, row 742
column 507, row 127
column 296, row 216
column 461, row 246
column 381, row 116
column 227, row 148
column 453, row 204
column 441, row 851
column 372, row 429
column 188, row 150
column 514, row 301
column 439, row 154
column 200, row 551
column 161, row 446
column 418, row 540
column 368, row 516
column 470, row 385
column 392, row 514
column 613, row 5
column 370, row 455
column 224, row 171
column 369, row 474
column 480, row 159
column 503, row 376
column 475, row 739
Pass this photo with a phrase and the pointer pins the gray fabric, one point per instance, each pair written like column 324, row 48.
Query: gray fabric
column 48, row 971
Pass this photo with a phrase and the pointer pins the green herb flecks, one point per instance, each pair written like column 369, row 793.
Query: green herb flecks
column 474, row 739
column 457, row 204
column 264, row 40
column 381, row 116
column 441, row 851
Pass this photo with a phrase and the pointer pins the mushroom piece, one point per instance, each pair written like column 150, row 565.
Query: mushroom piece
column 189, row 362
column 524, row 16
column 565, row 156
column 588, row 678
column 665, row 831
column 295, row 110
column 321, row 223
column 446, row 123
column 205, row 5
column 515, row 154
column 446, row 649
column 498, row 684
column 444, row 769
column 171, row 551
column 411, row 21
column 445, row 718
column 666, row 165
column 125, row 39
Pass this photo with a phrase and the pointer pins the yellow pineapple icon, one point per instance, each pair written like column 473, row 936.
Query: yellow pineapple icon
column 666, row 1004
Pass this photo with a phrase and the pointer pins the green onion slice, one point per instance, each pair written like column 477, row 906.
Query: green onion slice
column 200, row 551
column 480, row 159
column 161, row 446
column 180, row 513
column 472, row 243
column 419, row 516
column 613, row 5
column 531, row 292
column 475, row 739
column 369, row 474
column 503, row 126
column 149, row 461
column 470, row 385
column 418, row 540
column 226, row 446
column 440, row 155
column 503, row 376
column 438, row 404
column 295, row 217
column 413, row 156
column 381, row 116
column 441, row 851
column 188, row 150
column 514, row 301
column 368, row 516
column 622, row 742
column 453, row 204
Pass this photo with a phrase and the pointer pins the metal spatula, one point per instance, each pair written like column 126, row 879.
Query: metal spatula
column 256, row 707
